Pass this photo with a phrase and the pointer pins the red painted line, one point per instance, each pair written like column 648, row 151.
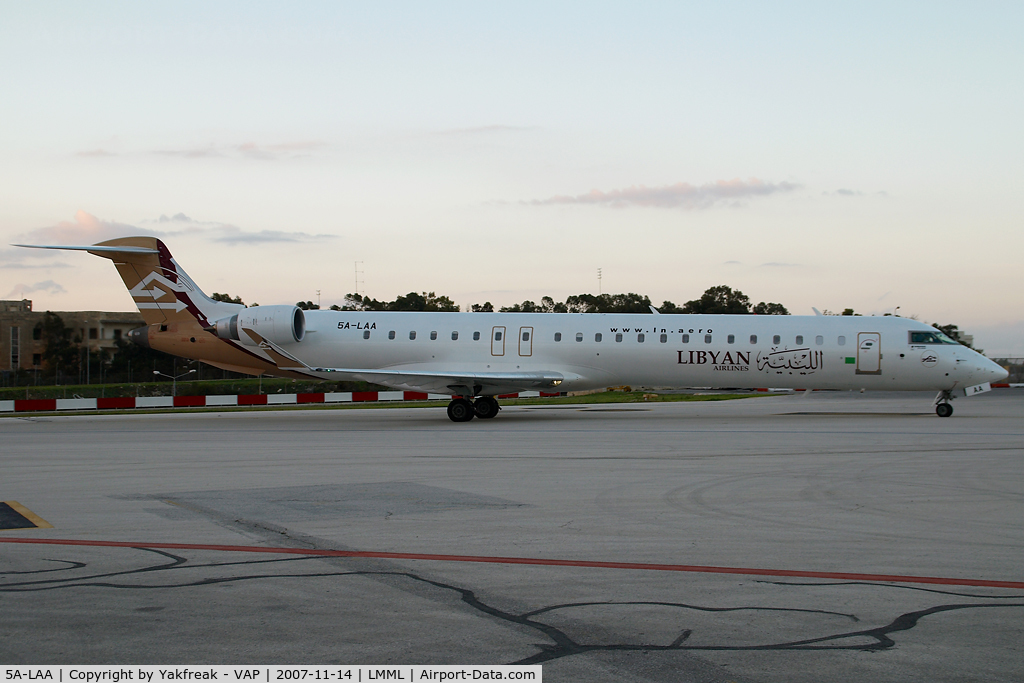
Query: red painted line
column 414, row 396
column 359, row 396
column 842, row 576
column 189, row 401
column 252, row 400
column 309, row 398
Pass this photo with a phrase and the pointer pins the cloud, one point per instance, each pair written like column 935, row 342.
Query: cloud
column 84, row 229
column 247, row 150
column 226, row 233
column 176, row 218
column 233, row 235
column 88, row 229
column 678, row 196
column 16, row 265
column 23, row 290
column 777, row 264
column 732, row 263
column 483, row 130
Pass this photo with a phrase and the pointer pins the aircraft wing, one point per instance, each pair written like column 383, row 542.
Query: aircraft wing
column 417, row 379
column 473, row 383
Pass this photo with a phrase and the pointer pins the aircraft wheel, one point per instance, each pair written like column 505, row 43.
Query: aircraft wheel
column 943, row 410
column 486, row 407
column 460, row 410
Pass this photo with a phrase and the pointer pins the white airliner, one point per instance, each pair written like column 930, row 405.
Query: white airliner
column 476, row 357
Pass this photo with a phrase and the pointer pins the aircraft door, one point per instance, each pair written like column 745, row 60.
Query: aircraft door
column 869, row 353
column 498, row 341
column 525, row 341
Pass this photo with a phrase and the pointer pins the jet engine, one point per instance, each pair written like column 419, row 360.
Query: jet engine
column 277, row 324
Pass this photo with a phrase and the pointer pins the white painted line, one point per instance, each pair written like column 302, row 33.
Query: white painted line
column 279, row 399
column 222, row 400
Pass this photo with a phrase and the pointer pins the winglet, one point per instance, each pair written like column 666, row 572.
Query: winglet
column 816, row 311
column 655, row 311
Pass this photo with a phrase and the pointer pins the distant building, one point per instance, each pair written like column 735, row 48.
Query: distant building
column 21, row 347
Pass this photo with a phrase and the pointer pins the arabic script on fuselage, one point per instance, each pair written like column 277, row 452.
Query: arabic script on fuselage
column 803, row 361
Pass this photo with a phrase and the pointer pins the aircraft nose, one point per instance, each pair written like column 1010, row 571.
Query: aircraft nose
column 995, row 372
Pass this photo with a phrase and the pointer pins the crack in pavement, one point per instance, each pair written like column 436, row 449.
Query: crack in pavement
column 561, row 644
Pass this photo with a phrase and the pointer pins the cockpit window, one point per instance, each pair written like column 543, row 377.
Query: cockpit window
column 930, row 338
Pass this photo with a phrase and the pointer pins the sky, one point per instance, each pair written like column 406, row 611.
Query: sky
column 864, row 156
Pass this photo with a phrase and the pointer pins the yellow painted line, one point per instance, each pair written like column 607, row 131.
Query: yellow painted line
column 27, row 514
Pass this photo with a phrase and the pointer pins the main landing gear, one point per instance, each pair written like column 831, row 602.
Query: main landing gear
column 943, row 407
column 462, row 410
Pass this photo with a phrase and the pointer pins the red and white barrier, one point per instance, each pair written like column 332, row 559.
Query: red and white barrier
column 124, row 403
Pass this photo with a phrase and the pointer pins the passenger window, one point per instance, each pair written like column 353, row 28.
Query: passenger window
column 497, row 336
column 455, row 336
column 579, row 336
column 819, row 340
column 476, row 336
column 391, row 334
column 433, row 335
column 842, row 341
column 799, row 339
column 526, row 336
column 663, row 339
column 412, row 335
column 366, row 334
column 558, row 336
column 707, row 338
column 731, row 339
column 640, row 338
column 597, row 337
column 618, row 337
column 753, row 339
column 776, row 339
column 686, row 339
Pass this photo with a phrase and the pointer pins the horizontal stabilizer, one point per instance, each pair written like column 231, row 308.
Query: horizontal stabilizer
column 93, row 248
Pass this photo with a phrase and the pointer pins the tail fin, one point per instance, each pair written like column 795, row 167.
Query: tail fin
column 162, row 290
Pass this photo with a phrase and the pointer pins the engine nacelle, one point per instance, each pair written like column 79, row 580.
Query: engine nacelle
column 278, row 324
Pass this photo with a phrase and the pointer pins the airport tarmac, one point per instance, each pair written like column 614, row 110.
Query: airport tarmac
column 839, row 483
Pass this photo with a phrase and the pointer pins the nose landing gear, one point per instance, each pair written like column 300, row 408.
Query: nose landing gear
column 943, row 407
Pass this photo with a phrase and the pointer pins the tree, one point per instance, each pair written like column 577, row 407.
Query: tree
column 668, row 307
column 307, row 305
column 485, row 307
column 770, row 309
column 227, row 298
column 60, row 353
column 956, row 334
column 425, row 301
column 608, row 303
column 136, row 362
column 719, row 300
